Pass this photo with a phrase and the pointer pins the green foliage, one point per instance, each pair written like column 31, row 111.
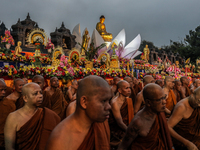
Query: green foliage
column 189, row 48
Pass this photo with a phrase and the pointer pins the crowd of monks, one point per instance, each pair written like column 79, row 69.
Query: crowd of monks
column 98, row 114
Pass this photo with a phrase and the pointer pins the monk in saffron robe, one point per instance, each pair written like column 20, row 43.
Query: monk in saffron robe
column 29, row 127
column 185, row 83
column 171, row 98
column 184, row 123
column 159, row 82
column 46, row 96
column 148, row 130
column 122, row 113
column 196, row 84
column 114, row 86
column 58, row 102
column 6, row 107
column 16, row 96
column 133, row 94
column 136, row 86
column 87, row 128
column 139, row 101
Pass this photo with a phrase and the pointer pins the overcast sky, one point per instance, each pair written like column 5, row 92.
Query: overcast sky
column 157, row 21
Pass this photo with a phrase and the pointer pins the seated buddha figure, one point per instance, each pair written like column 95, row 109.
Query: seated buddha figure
column 101, row 28
column 18, row 49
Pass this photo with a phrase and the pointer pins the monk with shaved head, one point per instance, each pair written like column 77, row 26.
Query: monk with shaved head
column 122, row 113
column 148, row 129
column 58, row 102
column 159, row 82
column 114, row 85
column 139, row 101
column 46, row 96
column 185, row 86
column 168, row 90
column 87, row 128
column 184, row 123
column 196, row 84
column 6, row 107
column 130, row 81
column 30, row 126
column 16, row 96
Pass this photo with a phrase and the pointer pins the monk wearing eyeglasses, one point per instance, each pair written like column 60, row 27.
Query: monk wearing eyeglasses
column 149, row 129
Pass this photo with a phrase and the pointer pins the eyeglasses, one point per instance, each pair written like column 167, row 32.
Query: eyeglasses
column 160, row 99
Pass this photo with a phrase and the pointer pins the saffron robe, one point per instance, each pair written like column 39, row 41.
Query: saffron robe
column 137, row 89
column 178, row 95
column 46, row 100
column 59, row 104
column 6, row 106
column 98, row 137
column 187, row 92
column 33, row 135
column 158, row 137
column 19, row 102
column 9, row 90
column 189, row 129
column 171, row 101
column 127, row 113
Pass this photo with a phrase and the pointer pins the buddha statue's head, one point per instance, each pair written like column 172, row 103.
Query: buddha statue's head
column 19, row 43
column 102, row 19
column 146, row 46
column 86, row 32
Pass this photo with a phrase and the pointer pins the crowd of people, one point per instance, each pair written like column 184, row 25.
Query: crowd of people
column 95, row 113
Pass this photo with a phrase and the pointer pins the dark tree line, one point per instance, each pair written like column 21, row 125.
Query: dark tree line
column 188, row 48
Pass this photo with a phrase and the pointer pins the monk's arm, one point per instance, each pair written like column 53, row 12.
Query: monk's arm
column 138, row 102
column 69, row 92
column 131, row 133
column 167, row 111
column 10, row 132
column 182, row 92
column 175, row 118
column 117, row 116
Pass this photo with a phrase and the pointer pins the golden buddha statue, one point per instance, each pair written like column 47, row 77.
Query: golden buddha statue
column 146, row 53
column 101, row 28
column 85, row 42
column 18, row 49
column 64, row 44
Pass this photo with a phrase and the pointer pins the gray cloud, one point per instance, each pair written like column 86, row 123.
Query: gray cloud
column 156, row 20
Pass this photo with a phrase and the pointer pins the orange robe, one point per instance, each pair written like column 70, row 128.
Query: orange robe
column 33, row 135
column 98, row 137
column 178, row 95
column 189, row 129
column 127, row 114
column 59, row 104
column 187, row 92
column 6, row 106
column 137, row 89
column 19, row 102
column 46, row 100
column 9, row 90
column 171, row 101
column 158, row 137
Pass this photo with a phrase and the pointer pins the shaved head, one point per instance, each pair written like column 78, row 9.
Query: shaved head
column 90, row 86
column 26, row 88
column 129, row 80
column 120, row 84
column 39, row 80
column 36, row 77
column 151, row 90
column 196, row 83
column 184, row 80
column 159, row 82
column 17, row 80
column 116, row 80
column 2, row 83
column 148, row 79
column 2, row 89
